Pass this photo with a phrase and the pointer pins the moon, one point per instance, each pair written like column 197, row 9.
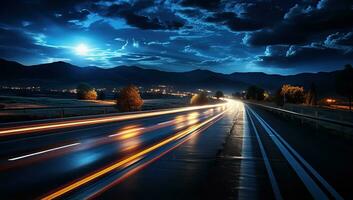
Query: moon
column 82, row 49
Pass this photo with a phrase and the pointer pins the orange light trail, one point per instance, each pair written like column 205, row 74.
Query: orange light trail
column 140, row 167
column 50, row 126
column 110, row 168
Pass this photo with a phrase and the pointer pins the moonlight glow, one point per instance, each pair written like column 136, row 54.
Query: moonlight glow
column 82, row 49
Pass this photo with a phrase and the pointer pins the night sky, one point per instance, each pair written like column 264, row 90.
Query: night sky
column 280, row 36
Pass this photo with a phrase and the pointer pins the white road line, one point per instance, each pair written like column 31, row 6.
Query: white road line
column 165, row 122
column 272, row 178
column 332, row 191
column 42, row 152
column 310, row 184
column 247, row 179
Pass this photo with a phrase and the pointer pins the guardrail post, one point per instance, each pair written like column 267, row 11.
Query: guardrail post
column 62, row 112
column 316, row 121
column 301, row 118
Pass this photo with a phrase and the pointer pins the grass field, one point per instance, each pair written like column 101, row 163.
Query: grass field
column 26, row 107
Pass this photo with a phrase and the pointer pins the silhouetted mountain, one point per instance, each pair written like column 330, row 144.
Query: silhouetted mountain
column 61, row 74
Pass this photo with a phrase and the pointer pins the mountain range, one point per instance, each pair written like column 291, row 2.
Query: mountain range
column 64, row 75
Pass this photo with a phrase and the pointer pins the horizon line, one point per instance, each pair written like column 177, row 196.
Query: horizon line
column 100, row 67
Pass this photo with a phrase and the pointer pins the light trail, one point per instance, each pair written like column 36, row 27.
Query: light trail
column 42, row 152
column 49, row 126
column 143, row 165
column 126, row 132
column 126, row 161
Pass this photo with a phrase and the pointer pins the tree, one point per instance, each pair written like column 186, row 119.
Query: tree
column 199, row 99
column 311, row 96
column 129, row 99
column 86, row 92
column 101, row 95
column 279, row 97
column 91, row 95
column 344, row 83
column 219, row 94
column 292, row 94
column 255, row 93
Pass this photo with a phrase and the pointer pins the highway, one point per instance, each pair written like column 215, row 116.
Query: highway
column 224, row 151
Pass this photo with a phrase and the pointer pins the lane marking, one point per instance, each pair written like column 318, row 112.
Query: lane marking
column 123, row 162
column 332, row 191
column 162, row 123
column 270, row 173
column 247, row 179
column 42, row 152
column 310, row 184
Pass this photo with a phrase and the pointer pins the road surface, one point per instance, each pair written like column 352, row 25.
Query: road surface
column 226, row 151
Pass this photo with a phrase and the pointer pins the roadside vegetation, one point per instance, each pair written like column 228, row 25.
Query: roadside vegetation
column 344, row 83
column 199, row 99
column 129, row 99
column 219, row 94
column 86, row 92
column 297, row 94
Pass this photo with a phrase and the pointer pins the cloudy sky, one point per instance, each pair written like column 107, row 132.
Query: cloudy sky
column 279, row 36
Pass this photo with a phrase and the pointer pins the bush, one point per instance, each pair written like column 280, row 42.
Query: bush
column 311, row 96
column 91, row 95
column 219, row 94
column 86, row 92
column 279, row 98
column 255, row 93
column 129, row 99
column 199, row 99
column 293, row 94
column 101, row 95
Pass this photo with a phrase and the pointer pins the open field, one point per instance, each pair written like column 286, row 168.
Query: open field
column 29, row 108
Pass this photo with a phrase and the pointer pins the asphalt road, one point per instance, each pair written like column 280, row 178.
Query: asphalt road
column 231, row 151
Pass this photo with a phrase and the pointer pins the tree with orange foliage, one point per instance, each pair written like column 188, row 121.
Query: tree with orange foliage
column 86, row 92
column 129, row 99
column 293, row 94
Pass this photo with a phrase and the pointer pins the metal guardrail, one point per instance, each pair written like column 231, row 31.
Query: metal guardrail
column 336, row 122
column 55, row 107
column 59, row 111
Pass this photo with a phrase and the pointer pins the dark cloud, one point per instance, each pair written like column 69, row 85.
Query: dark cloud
column 246, row 16
column 304, row 56
column 305, row 23
column 235, row 23
column 15, row 42
column 208, row 4
column 129, row 12
column 39, row 13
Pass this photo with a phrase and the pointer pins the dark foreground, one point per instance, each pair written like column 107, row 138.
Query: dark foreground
column 230, row 151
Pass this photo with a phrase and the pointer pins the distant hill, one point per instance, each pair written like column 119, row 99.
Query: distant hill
column 63, row 75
